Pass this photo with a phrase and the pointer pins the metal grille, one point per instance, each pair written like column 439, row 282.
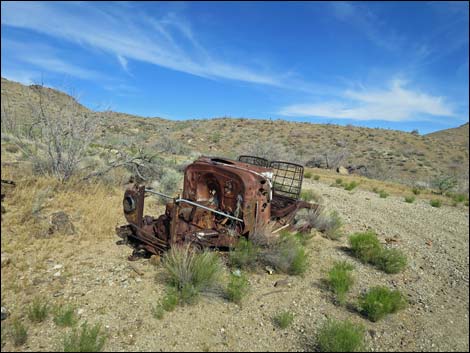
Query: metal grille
column 254, row 161
column 287, row 179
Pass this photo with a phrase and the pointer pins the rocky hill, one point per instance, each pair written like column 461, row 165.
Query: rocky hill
column 386, row 154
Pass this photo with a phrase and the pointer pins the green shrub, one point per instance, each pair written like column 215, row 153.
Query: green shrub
column 352, row 185
column 87, row 339
column 383, row 194
column 283, row 319
column 158, row 312
column 374, row 189
column 410, row 199
column 38, row 311
column 416, row 190
column 444, row 183
column 244, row 254
column 337, row 336
column 237, row 288
column 339, row 181
column 308, row 175
column 459, row 198
column 340, row 280
column 170, row 300
column 309, row 195
column 190, row 272
column 391, row 261
column 64, row 316
column 380, row 301
column 316, row 177
column 287, row 255
column 365, row 246
column 436, row 203
column 19, row 333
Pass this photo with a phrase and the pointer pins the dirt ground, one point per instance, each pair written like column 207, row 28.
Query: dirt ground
column 97, row 279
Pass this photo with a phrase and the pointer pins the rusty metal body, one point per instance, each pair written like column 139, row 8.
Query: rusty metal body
column 222, row 201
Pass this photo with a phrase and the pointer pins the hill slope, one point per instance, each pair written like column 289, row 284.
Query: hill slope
column 387, row 154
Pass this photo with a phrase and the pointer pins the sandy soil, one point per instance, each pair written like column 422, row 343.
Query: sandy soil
column 98, row 280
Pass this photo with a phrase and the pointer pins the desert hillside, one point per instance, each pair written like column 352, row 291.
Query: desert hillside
column 387, row 154
column 387, row 253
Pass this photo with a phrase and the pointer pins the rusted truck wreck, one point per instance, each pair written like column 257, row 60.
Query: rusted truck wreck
column 222, row 200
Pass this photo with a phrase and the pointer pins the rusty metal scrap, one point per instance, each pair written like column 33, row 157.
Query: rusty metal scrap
column 222, row 201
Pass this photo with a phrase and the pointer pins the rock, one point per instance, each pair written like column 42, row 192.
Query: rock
column 5, row 260
column 269, row 270
column 342, row 170
column 4, row 313
column 60, row 223
column 282, row 283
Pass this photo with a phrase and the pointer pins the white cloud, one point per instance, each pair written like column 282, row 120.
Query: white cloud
column 123, row 61
column 43, row 58
column 167, row 42
column 396, row 103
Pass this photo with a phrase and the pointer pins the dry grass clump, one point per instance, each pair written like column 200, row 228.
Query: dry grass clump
column 327, row 223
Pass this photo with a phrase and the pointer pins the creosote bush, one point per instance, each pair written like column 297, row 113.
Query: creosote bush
column 340, row 280
column 86, row 339
column 350, row 186
column 380, row 301
column 391, row 261
column 283, row 319
column 327, row 223
column 341, row 336
column 383, row 194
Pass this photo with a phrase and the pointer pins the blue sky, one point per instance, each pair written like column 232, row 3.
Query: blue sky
column 399, row 65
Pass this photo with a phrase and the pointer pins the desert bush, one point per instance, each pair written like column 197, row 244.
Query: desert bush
column 64, row 316
column 262, row 237
column 191, row 273
column 86, row 339
column 383, row 194
column 167, row 144
column 237, row 287
column 391, row 261
column 380, row 301
column 287, row 256
column 350, row 186
column 365, row 246
column 168, row 303
column 244, row 255
column 316, row 177
column 169, row 181
column 308, row 175
column 410, row 199
column 337, row 336
column 340, row 280
column 38, row 310
column 158, row 312
column 54, row 140
column 283, row 319
column 444, row 183
column 435, row 203
column 327, row 223
column 416, row 190
column 309, row 195
column 19, row 333
column 339, row 181
column 458, row 197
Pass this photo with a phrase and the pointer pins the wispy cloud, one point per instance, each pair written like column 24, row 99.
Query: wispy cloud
column 166, row 41
column 43, row 58
column 363, row 19
column 396, row 103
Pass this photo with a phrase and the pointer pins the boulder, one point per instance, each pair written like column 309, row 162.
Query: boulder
column 342, row 170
